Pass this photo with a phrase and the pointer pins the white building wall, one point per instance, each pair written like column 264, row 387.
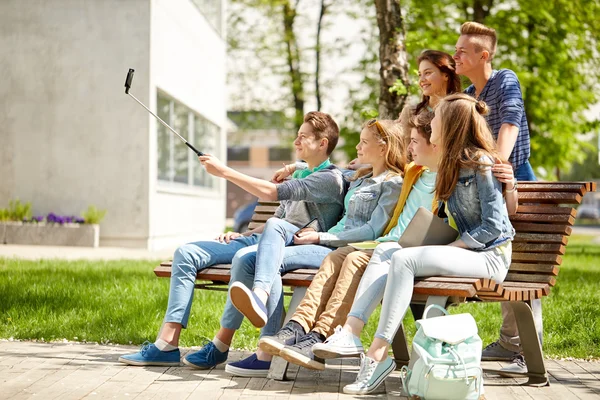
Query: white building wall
column 188, row 63
column 69, row 136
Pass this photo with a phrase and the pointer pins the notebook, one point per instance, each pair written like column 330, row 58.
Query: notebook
column 426, row 229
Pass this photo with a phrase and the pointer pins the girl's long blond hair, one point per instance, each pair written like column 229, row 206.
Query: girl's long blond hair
column 389, row 133
column 465, row 137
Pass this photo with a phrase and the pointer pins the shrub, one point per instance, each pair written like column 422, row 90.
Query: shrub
column 92, row 215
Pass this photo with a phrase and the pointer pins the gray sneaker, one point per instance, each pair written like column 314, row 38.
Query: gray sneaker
column 495, row 352
column 516, row 367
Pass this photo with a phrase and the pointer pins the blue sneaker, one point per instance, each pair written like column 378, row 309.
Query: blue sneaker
column 207, row 357
column 150, row 355
column 250, row 367
column 248, row 303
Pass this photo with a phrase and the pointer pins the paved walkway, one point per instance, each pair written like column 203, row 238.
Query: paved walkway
column 31, row 370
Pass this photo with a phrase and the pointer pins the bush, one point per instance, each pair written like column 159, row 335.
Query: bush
column 92, row 215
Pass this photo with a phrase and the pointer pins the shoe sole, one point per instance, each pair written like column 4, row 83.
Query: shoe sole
column 150, row 363
column 243, row 302
column 377, row 383
column 246, row 373
column 191, row 364
column 328, row 354
column 270, row 346
column 496, row 359
column 301, row 360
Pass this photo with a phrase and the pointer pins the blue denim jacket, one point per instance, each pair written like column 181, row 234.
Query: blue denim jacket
column 369, row 210
column 478, row 208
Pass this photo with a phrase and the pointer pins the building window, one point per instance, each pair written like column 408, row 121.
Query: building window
column 176, row 162
column 280, row 154
column 238, row 154
column 211, row 9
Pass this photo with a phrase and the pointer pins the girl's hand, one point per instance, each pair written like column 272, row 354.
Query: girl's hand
column 213, row 165
column 282, row 173
column 504, row 173
column 228, row 237
column 306, row 236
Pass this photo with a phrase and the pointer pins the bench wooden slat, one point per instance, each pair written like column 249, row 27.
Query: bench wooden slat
column 262, row 218
column 533, row 278
column 540, row 238
column 549, row 197
column 254, row 225
column 546, row 209
column 553, row 248
column 544, row 218
column 537, row 258
column 580, row 188
column 444, row 289
column 549, row 269
column 265, row 209
column 527, row 227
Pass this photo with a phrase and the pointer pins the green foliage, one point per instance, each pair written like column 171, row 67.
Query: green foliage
column 555, row 60
column 398, row 88
column 589, row 167
column 92, row 215
column 16, row 211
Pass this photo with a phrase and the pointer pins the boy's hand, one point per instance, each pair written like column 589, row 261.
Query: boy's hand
column 504, row 173
column 306, row 236
column 213, row 165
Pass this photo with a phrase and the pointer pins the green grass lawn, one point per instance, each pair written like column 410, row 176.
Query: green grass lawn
column 123, row 302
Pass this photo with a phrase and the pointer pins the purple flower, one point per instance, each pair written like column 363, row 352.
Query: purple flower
column 79, row 220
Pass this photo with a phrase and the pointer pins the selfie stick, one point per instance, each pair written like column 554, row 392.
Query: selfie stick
column 128, row 86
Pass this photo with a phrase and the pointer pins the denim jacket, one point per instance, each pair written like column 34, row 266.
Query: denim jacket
column 369, row 210
column 478, row 208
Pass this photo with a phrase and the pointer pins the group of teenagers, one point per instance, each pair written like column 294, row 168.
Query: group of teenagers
column 457, row 154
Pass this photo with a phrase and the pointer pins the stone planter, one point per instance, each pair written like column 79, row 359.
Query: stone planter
column 86, row 235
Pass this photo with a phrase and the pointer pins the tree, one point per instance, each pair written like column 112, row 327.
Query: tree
column 554, row 58
column 393, row 60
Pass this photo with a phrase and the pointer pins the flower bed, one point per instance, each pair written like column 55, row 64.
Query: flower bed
column 17, row 226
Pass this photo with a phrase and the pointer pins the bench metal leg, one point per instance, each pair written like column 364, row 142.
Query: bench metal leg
column 530, row 343
column 399, row 345
column 400, row 348
column 279, row 366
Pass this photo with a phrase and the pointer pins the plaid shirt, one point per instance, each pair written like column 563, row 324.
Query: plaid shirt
column 502, row 94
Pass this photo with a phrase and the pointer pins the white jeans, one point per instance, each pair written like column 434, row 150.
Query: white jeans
column 414, row 262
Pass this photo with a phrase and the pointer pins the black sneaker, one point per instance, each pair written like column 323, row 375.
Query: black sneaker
column 301, row 352
column 287, row 336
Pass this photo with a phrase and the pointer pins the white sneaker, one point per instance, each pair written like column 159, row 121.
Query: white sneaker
column 371, row 375
column 341, row 344
column 517, row 367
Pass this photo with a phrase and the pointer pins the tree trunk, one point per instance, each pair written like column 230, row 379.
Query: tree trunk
column 293, row 60
column 481, row 9
column 318, row 54
column 393, row 59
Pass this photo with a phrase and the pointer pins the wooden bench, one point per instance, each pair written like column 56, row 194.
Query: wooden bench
column 543, row 225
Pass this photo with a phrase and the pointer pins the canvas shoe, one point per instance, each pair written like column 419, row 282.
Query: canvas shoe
column 341, row 344
column 495, row 352
column 516, row 367
column 370, row 375
column 301, row 353
column 207, row 357
column 150, row 355
column 249, row 367
column 287, row 336
column 248, row 303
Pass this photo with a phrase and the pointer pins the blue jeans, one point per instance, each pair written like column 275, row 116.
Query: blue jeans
column 188, row 260
column 262, row 266
column 525, row 172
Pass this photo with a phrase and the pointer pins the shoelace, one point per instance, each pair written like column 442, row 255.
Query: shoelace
column 492, row 346
column 519, row 360
column 366, row 370
column 306, row 341
column 144, row 347
column 338, row 334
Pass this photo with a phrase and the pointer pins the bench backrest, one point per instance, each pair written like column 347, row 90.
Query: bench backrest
column 543, row 226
